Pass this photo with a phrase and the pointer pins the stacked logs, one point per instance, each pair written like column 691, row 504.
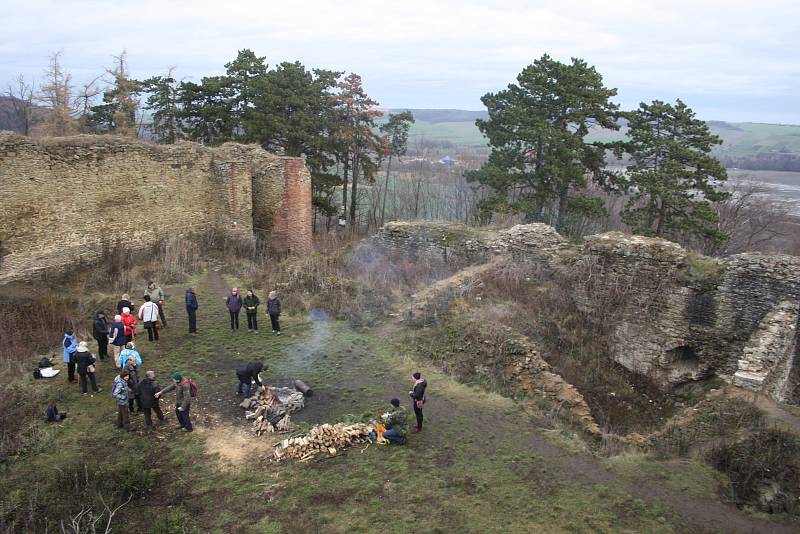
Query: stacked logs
column 269, row 409
column 325, row 438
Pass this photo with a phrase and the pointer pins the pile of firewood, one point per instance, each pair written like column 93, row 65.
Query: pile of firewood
column 325, row 438
column 269, row 409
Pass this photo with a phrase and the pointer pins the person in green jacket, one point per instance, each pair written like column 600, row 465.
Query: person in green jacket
column 157, row 295
column 396, row 423
column 183, row 399
column 251, row 303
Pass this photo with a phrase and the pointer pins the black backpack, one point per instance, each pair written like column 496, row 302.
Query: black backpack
column 52, row 414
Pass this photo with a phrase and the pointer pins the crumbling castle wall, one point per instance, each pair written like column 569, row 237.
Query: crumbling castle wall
column 674, row 316
column 67, row 201
column 680, row 316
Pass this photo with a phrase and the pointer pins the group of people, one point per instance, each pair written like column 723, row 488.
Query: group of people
column 235, row 303
column 143, row 395
column 147, row 393
column 395, row 419
column 131, row 393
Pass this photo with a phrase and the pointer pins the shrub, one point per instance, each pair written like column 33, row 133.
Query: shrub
column 700, row 271
column 539, row 302
column 764, row 469
column 23, row 410
column 718, row 418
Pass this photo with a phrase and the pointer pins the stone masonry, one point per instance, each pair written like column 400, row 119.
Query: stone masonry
column 672, row 315
column 67, row 201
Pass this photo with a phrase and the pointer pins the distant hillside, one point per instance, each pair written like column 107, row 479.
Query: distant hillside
column 444, row 115
column 9, row 117
column 746, row 145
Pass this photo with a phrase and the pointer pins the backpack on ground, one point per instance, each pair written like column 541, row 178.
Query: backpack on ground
column 53, row 415
column 192, row 388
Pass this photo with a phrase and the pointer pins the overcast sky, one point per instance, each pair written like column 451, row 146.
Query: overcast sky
column 729, row 60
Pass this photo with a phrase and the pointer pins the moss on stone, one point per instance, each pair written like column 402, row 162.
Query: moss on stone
column 701, row 272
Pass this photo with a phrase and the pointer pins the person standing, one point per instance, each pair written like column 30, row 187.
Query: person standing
column 129, row 320
column 133, row 383
column 396, row 423
column 127, row 353
column 100, row 333
column 124, row 302
column 247, row 373
column 191, row 309
column 119, row 390
column 417, row 395
column 274, row 311
column 148, row 401
column 84, row 362
column 158, row 296
column 183, row 399
column 251, row 303
column 148, row 314
column 234, row 304
column 70, row 345
column 117, row 338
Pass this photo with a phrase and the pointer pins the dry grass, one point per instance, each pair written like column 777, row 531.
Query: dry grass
column 539, row 303
column 765, row 462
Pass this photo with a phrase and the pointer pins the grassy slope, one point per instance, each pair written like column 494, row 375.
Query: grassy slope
column 481, row 465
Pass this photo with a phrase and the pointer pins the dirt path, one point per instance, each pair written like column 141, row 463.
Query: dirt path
column 340, row 365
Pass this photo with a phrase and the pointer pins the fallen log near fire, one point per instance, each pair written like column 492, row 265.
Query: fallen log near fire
column 323, row 439
column 303, row 388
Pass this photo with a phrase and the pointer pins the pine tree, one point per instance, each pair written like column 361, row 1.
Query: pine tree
column 206, row 110
column 539, row 159
column 244, row 76
column 162, row 101
column 395, row 143
column 292, row 115
column 674, row 179
column 117, row 113
column 355, row 115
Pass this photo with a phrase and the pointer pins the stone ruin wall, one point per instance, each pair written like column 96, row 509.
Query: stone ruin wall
column 682, row 317
column 675, row 316
column 67, row 201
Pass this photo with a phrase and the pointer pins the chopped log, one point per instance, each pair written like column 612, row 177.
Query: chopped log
column 325, row 438
column 303, row 388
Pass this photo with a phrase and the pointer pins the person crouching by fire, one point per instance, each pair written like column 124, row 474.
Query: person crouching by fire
column 396, row 423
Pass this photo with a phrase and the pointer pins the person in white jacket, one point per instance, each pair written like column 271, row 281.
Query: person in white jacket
column 148, row 314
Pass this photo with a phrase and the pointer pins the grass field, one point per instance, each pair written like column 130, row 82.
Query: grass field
column 740, row 139
column 481, row 465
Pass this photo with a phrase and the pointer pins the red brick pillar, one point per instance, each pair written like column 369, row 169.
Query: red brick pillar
column 292, row 225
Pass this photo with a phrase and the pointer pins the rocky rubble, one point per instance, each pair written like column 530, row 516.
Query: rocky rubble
column 766, row 359
column 674, row 316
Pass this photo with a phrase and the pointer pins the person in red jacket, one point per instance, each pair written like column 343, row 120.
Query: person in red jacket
column 129, row 320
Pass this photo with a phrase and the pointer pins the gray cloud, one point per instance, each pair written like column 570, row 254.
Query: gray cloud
column 731, row 60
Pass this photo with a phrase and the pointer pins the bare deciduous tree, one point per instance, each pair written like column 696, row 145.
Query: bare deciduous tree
column 750, row 217
column 85, row 99
column 19, row 109
column 56, row 94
